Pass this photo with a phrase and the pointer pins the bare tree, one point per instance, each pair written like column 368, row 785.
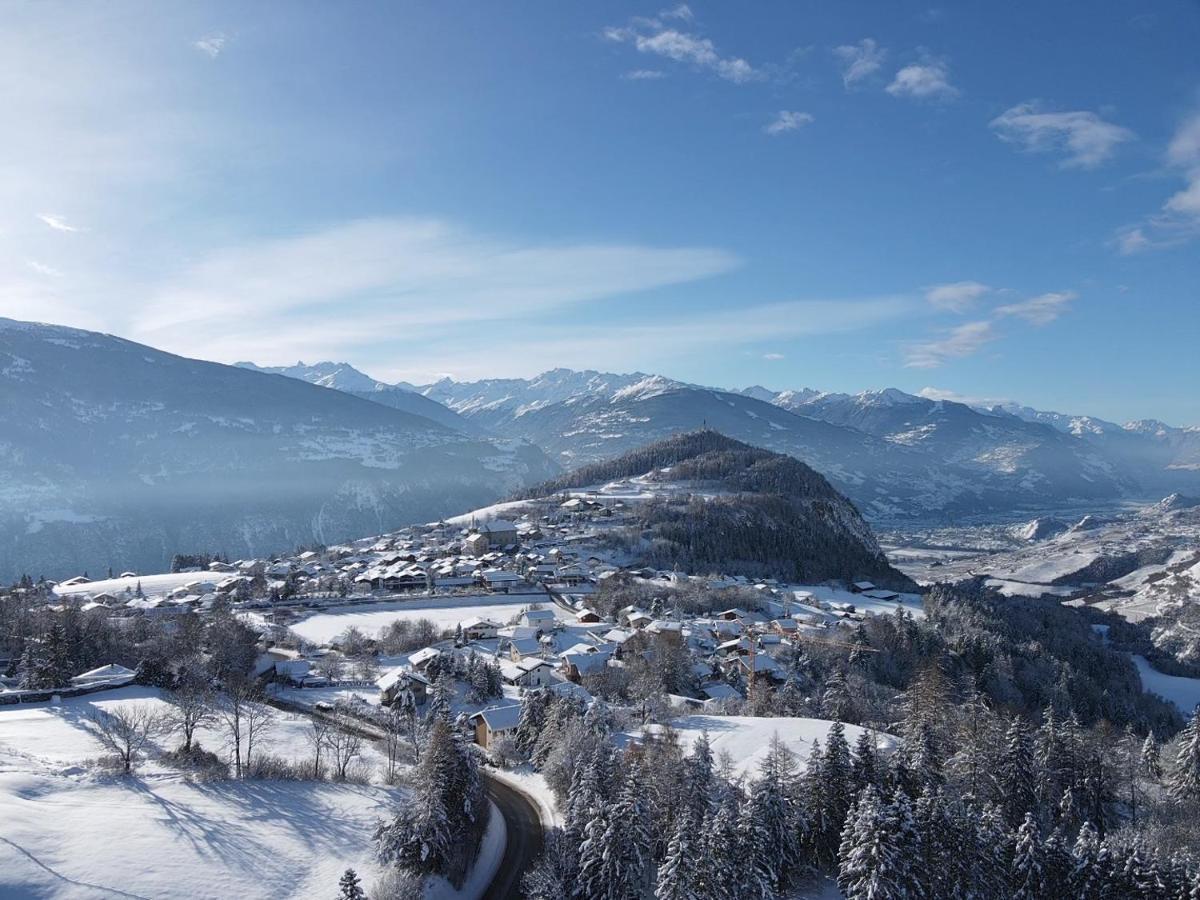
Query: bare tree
column 245, row 718
column 191, row 707
column 344, row 747
column 318, row 739
column 331, row 666
column 395, row 726
column 126, row 730
column 259, row 719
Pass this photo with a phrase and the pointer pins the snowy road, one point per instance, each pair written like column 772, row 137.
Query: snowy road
column 524, row 840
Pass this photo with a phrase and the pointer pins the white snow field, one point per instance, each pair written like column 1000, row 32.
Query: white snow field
column 70, row 830
column 152, row 585
column 1183, row 692
column 747, row 738
column 442, row 611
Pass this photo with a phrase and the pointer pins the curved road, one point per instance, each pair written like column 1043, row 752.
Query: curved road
column 521, row 819
column 524, row 842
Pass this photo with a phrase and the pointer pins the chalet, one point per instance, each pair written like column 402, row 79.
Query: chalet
column 422, row 658
column 784, row 627
column 493, row 723
column 575, row 665
column 541, row 619
column 666, row 627
column 732, row 615
column 639, row 619
column 530, row 672
column 861, row 587
column 719, row 691
column 477, row 629
column 518, row 648
column 588, row 616
column 881, row 594
column 499, row 532
column 501, row 582
column 400, row 680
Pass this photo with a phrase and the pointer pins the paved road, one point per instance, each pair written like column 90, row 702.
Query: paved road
column 524, row 840
column 521, row 820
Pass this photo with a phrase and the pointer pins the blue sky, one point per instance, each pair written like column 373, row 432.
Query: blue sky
column 993, row 201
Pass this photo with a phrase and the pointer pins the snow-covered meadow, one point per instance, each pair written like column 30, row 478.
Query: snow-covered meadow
column 444, row 612
column 73, row 830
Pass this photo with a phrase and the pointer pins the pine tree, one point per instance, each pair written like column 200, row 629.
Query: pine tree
column 1087, row 879
column 351, row 886
column 833, row 792
column 532, row 718
column 721, row 856
column 441, row 699
column 1028, row 867
column 869, row 864
column 677, row 875
column 1016, row 778
column 863, row 769
column 614, row 856
column 1184, row 780
column 1151, row 758
column 771, row 826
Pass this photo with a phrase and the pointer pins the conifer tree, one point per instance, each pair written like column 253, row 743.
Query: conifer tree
column 1151, row 758
column 1184, row 780
column 1016, row 778
column 677, row 875
column 350, row 886
column 869, row 863
column 1086, row 878
column 1028, row 867
column 863, row 769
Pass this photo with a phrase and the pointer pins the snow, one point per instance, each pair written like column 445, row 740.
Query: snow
column 444, row 612
column 222, row 839
column 1183, row 692
column 533, row 785
column 747, row 738
column 152, row 585
column 491, row 853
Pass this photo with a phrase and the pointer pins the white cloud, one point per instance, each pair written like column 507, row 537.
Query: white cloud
column 43, row 269
column 957, row 296
column 682, row 12
column 644, row 75
column 58, row 223
column 653, row 37
column 1132, row 240
column 1187, row 202
column 773, row 357
column 1184, row 149
column 1040, row 310
column 929, row 80
column 787, row 120
column 859, row 61
column 964, row 340
column 935, row 393
column 212, row 44
column 1086, row 139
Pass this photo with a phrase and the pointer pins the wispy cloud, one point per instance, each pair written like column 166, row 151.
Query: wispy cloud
column 1179, row 219
column 787, row 120
column 927, row 80
column 1085, row 139
column 681, row 11
column 212, row 44
column 956, row 296
column 773, row 357
column 43, row 269
column 970, row 337
column 644, row 75
column 962, row 340
column 859, row 61
column 1040, row 310
column 58, row 223
column 657, row 38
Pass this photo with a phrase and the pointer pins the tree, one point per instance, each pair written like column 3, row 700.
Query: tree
column 126, row 730
column 345, row 745
column 1028, row 866
column 318, row 739
column 613, row 858
column 677, row 874
column 869, row 863
column 1016, row 777
column 246, row 719
column 1184, row 780
column 350, row 886
column 191, row 706
column 1152, row 758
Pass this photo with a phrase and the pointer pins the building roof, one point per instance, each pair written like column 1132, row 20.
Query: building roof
column 500, row 718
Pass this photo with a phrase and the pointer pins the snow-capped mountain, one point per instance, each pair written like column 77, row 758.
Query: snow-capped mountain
column 895, row 454
column 340, row 376
column 112, row 452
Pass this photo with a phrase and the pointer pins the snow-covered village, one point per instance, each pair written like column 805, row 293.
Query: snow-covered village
column 626, row 451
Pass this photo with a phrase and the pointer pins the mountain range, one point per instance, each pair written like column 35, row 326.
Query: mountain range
column 98, row 430
column 116, row 454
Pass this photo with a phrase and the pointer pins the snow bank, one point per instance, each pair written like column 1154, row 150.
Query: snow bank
column 1183, row 692
column 491, row 852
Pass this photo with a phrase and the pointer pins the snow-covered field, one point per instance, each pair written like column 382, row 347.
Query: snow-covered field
column 72, row 831
column 444, row 612
column 747, row 738
column 1183, row 692
column 152, row 585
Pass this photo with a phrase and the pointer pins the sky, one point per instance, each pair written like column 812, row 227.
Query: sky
column 992, row 202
